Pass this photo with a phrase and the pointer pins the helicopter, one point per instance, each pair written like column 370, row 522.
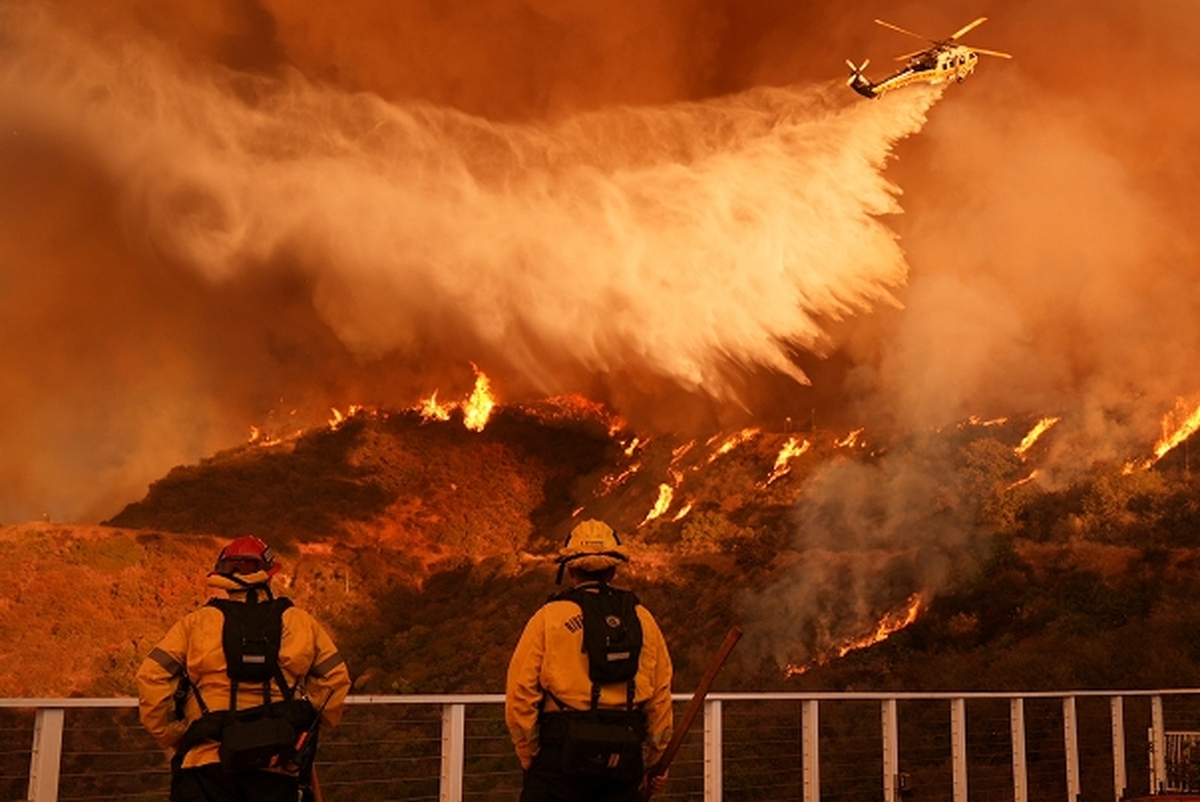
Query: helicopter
column 944, row 61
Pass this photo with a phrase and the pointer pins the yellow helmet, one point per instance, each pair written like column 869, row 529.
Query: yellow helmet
column 592, row 546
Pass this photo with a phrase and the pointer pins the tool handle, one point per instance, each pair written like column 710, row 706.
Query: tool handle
column 693, row 709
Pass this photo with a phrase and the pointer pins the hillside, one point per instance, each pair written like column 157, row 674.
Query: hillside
column 424, row 546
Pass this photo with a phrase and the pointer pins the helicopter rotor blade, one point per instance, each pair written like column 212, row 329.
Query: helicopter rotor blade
column 907, row 56
column 991, row 52
column 886, row 24
column 856, row 72
column 968, row 27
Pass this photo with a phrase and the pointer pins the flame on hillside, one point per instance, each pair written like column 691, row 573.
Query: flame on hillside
column 887, row 626
column 850, row 440
column 1040, row 428
column 679, row 452
column 1033, row 475
column 666, row 494
column 783, row 462
column 431, row 409
column 479, row 406
column 975, row 420
column 338, row 418
column 476, row 409
column 731, row 442
column 613, row 481
column 1177, row 426
column 575, row 407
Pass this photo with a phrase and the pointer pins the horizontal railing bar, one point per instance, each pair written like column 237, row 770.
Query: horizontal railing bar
column 31, row 703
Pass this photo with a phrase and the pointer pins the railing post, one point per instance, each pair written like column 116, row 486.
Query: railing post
column 891, row 750
column 1120, row 783
column 1158, row 747
column 46, row 756
column 1071, row 746
column 810, row 751
column 958, row 746
column 713, row 779
column 454, row 731
column 1020, row 771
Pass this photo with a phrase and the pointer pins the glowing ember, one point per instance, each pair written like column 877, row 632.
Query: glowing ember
column 684, row 510
column 575, row 407
column 850, row 440
column 1037, row 431
column 679, row 452
column 887, row 626
column 975, row 420
column 632, row 447
column 783, row 463
column 609, row 483
column 731, row 442
column 665, row 494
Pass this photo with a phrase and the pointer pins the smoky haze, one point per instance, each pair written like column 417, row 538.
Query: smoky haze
column 243, row 213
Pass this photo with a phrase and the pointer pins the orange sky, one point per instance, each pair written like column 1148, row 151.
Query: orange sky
column 222, row 212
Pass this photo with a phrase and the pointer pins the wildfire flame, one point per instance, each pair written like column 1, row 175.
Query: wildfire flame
column 476, row 409
column 609, row 483
column 338, row 418
column 731, row 442
column 975, row 420
column 850, row 440
column 887, row 626
column 479, row 406
column 430, row 409
column 1040, row 428
column 1177, row 425
column 665, row 495
column 1175, row 433
column 1026, row 480
column 783, row 463
column 678, row 452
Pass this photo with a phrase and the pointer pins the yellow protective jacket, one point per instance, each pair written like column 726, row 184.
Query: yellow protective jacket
column 550, row 657
column 306, row 654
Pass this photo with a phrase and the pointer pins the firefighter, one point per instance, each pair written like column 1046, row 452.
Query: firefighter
column 188, row 683
column 557, row 694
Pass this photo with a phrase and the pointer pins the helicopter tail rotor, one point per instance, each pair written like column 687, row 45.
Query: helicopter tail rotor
column 856, row 73
column 859, row 82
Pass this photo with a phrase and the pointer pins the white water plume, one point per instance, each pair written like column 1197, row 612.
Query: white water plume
column 672, row 240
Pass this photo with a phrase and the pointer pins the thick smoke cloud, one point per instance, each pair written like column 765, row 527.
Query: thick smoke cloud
column 214, row 216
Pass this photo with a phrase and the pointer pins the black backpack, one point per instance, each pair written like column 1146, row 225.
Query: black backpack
column 266, row 735
column 251, row 637
column 600, row 743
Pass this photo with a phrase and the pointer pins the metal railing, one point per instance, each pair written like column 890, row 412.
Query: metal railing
column 958, row 747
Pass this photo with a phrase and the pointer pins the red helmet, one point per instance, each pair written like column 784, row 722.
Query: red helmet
column 246, row 555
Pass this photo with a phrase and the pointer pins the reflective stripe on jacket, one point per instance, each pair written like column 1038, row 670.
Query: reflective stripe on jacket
column 550, row 657
column 306, row 653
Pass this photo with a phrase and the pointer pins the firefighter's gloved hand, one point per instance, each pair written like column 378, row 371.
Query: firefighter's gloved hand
column 656, row 782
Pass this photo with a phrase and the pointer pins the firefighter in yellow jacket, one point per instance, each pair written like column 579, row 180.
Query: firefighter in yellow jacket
column 188, row 681
column 583, row 730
